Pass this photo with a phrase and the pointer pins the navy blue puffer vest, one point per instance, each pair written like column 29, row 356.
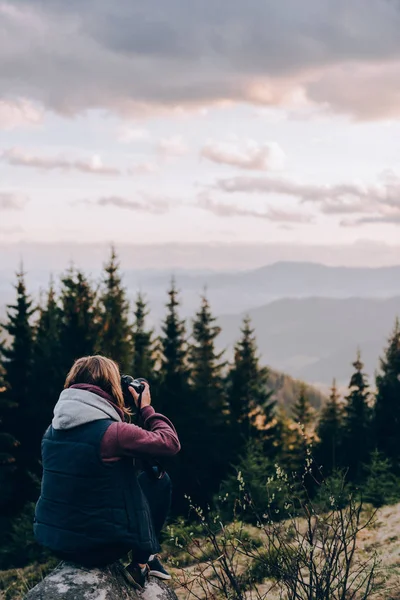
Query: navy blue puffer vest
column 87, row 506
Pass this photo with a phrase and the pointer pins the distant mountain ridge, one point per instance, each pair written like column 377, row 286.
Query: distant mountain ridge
column 316, row 339
column 309, row 318
column 238, row 291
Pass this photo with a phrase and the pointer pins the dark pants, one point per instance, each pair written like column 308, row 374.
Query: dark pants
column 158, row 494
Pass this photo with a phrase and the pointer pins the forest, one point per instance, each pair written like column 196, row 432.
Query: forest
column 228, row 419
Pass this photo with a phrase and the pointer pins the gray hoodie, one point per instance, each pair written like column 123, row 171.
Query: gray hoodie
column 76, row 407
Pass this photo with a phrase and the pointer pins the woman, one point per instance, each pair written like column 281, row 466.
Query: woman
column 95, row 504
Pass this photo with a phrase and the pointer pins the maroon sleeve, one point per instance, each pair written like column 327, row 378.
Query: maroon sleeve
column 158, row 438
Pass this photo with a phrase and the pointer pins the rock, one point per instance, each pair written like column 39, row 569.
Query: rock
column 72, row 582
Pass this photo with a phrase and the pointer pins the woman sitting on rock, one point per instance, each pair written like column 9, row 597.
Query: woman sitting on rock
column 96, row 504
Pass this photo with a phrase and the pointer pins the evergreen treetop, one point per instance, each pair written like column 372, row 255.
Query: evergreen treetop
column 173, row 370
column 79, row 327
column 206, row 367
column 47, row 365
column 387, row 407
column 17, row 356
column 251, row 407
column 143, row 363
column 357, row 421
column 330, row 432
column 173, row 339
column 302, row 410
column 115, row 337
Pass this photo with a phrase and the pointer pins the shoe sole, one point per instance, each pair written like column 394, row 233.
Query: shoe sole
column 128, row 577
column 159, row 575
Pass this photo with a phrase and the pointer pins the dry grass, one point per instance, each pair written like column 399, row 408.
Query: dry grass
column 383, row 537
column 15, row 583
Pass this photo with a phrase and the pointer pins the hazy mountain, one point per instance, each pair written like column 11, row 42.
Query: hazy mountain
column 286, row 390
column 232, row 292
column 316, row 339
column 310, row 318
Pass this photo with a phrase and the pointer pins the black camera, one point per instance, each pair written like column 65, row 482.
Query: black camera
column 137, row 384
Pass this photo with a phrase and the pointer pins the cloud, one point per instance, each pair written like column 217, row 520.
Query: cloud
column 372, row 95
column 94, row 165
column 172, row 146
column 248, row 155
column 393, row 219
column 379, row 202
column 146, row 203
column 19, row 113
column 12, row 201
column 127, row 135
column 135, row 57
column 336, row 198
column 143, row 168
column 270, row 214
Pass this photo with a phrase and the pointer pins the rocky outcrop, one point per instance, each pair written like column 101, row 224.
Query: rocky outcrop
column 72, row 582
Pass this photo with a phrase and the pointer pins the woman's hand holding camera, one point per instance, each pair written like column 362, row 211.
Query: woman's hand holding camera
column 146, row 397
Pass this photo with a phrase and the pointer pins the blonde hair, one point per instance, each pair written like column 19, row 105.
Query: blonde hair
column 101, row 371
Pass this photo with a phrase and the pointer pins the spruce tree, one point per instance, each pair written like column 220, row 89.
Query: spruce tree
column 357, row 422
column 381, row 485
column 257, row 474
column 210, row 434
column 173, row 371
column 115, row 337
column 16, row 397
column 301, row 434
column 8, row 446
column 79, row 324
column 143, row 363
column 172, row 394
column 206, row 366
column 330, row 430
column 302, row 410
column 47, row 365
column 387, row 407
column 250, row 404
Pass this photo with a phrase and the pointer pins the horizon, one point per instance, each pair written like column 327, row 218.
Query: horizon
column 212, row 257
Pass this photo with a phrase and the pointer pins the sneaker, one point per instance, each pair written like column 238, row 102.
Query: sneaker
column 136, row 575
column 156, row 569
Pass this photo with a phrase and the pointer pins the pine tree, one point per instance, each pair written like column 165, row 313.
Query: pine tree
column 257, row 473
column 16, row 398
column 206, row 368
column 330, row 429
column 47, row 372
column 302, row 435
column 115, row 338
column 143, row 364
column 79, row 324
column 387, row 407
column 381, row 486
column 172, row 394
column 8, row 446
column 173, row 372
column 250, row 404
column 210, row 434
column 302, row 410
column 357, row 422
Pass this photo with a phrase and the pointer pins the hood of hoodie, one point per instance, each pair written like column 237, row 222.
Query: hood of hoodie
column 77, row 407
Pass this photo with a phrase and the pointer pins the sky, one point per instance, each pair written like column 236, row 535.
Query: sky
column 203, row 123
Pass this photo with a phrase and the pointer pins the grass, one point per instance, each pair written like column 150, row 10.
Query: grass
column 15, row 583
column 383, row 537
